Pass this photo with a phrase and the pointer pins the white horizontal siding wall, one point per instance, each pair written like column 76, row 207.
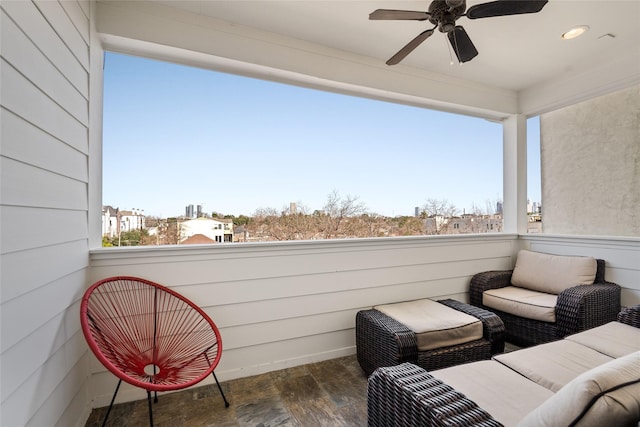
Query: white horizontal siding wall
column 621, row 254
column 289, row 303
column 43, row 206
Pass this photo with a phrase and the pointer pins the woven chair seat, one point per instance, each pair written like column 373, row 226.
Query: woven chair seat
column 149, row 335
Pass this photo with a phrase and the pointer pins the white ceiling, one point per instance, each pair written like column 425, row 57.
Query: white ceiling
column 515, row 52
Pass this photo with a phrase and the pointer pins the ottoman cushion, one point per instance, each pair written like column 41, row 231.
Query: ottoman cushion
column 434, row 324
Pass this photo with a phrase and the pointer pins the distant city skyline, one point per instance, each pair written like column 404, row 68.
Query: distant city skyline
column 176, row 135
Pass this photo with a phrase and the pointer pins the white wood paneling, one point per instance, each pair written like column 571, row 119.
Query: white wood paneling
column 78, row 16
column 84, row 5
column 19, row 322
column 279, row 305
column 66, row 30
column 53, row 261
column 26, row 57
column 23, row 142
column 24, row 185
column 288, row 303
column 26, row 100
column 27, row 16
column 28, row 228
column 43, row 205
column 46, row 392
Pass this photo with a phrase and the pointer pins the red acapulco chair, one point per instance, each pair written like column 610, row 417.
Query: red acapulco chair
column 149, row 336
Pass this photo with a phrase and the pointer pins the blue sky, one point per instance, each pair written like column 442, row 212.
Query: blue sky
column 176, row 135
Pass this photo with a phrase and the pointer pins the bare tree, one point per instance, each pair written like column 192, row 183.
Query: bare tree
column 264, row 222
column 438, row 214
column 169, row 231
column 336, row 219
column 287, row 224
column 410, row 226
column 367, row 225
column 297, row 224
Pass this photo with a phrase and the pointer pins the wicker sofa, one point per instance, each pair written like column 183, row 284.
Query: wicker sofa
column 577, row 299
column 587, row 379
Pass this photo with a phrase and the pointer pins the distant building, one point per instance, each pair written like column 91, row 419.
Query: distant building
column 115, row 221
column 197, row 239
column 109, row 221
column 218, row 230
column 132, row 220
column 188, row 211
column 240, row 234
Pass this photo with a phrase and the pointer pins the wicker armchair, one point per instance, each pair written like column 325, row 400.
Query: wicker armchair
column 578, row 308
column 383, row 341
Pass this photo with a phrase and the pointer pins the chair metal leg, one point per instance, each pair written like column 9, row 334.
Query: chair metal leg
column 226, row 404
column 104, row 422
column 150, row 408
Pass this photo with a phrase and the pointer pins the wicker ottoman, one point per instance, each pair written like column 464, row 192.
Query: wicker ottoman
column 384, row 341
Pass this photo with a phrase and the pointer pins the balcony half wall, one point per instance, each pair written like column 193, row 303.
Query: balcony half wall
column 289, row 303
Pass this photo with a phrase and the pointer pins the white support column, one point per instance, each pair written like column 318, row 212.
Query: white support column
column 514, row 148
column 95, row 133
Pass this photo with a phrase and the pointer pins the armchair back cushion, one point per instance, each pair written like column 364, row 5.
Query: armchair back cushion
column 608, row 395
column 552, row 274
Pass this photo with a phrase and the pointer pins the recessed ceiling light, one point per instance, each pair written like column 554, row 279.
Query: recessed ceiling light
column 575, row 32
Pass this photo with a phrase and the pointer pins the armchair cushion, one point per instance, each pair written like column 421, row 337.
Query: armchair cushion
column 606, row 395
column 552, row 273
column 435, row 325
column 522, row 302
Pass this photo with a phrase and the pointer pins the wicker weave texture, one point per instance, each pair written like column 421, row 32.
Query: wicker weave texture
column 578, row 308
column 407, row 396
column 630, row 316
column 383, row 341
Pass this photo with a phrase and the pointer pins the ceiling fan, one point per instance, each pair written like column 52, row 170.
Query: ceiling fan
column 444, row 13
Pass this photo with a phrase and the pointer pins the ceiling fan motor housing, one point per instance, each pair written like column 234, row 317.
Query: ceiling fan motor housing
column 444, row 13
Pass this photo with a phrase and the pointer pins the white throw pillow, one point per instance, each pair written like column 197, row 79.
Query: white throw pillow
column 552, row 273
column 608, row 395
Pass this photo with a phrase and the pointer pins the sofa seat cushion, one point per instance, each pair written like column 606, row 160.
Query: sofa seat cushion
column 503, row 393
column 522, row 302
column 552, row 273
column 614, row 339
column 434, row 324
column 554, row 364
column 608, row 395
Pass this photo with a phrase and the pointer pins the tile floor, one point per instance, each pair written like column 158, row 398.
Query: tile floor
column 329, row 393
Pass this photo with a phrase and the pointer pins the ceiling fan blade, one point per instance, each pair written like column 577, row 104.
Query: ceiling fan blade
column 504, row 8
column 389, row 14
column 462, row 44
column 409, row 47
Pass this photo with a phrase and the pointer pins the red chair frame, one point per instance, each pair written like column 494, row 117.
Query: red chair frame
column 149, row 336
